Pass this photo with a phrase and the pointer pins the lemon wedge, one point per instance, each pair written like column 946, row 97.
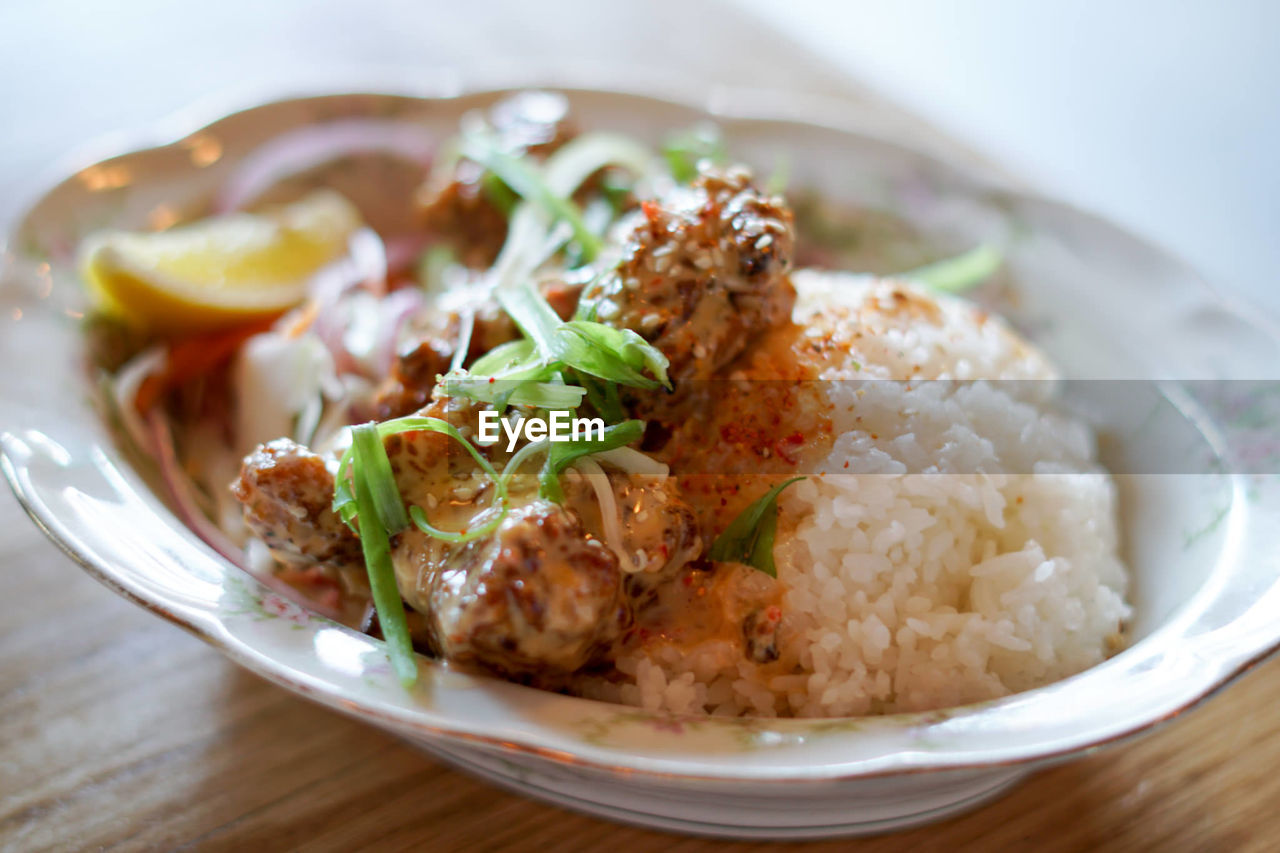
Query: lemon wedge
column 221, row 271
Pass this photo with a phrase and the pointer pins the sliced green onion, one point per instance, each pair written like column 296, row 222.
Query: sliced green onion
column 685, row 150
column 416, row 514
column 529, row 184
column 466, row 328
column 528, row 243
column 431, row 266
column 502, row 357
column 961, row 273
column 749, row 538
column 535, row 317
column 582, row 157
column 603, row 396
column 376, row 545
column 563, row 173
column 503, row 393
column 524, row 247
column 368, row 448
column 616, row 355
column 345, row 505
column 777, row 182
column 528, row 372
column 420, row 521
column 498, row 193
column 563, row 453
column 513, row 464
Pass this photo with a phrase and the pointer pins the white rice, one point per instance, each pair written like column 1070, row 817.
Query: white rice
column 962, row 545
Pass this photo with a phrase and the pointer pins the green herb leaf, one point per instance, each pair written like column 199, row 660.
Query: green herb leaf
column 961, row 273
column 749, row 538
column 562, row 454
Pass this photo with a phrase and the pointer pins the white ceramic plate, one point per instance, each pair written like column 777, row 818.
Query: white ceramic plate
column 1202, row 542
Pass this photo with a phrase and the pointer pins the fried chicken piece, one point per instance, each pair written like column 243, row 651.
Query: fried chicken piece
column 287, row 493
column 704, row 272
column 543, row 595
column 536, row 598
column 657, row 530
column 413, row 375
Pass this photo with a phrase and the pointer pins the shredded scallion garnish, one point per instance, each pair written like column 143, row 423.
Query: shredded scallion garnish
column 612, row 354
column 603, row 396
column 532, row 371
column 432, row 265
column 961, row 273
column 366, row 497
column 605, row 352
column 536, row 319
column 498, row 193
column 528, row 183
column 506, row 392
column 684, row 151
column 368, row 460
column 562, row 454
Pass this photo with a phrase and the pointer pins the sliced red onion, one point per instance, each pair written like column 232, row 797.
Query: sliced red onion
column 124, row 391
column 175, row 482
column 364, row 266
column 396, row 309
column 403, row 250
column 314, row 145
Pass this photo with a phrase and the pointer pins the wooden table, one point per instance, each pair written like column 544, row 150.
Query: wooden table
column 119, row 730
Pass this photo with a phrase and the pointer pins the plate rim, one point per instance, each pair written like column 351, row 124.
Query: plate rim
column 181, row 127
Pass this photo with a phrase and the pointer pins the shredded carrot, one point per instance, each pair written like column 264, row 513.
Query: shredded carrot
column 194, row 357
column 303, row 321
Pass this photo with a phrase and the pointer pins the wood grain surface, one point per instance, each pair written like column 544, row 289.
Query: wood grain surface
column 120, row 731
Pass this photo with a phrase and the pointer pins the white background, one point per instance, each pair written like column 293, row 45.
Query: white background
column 1162, row 114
